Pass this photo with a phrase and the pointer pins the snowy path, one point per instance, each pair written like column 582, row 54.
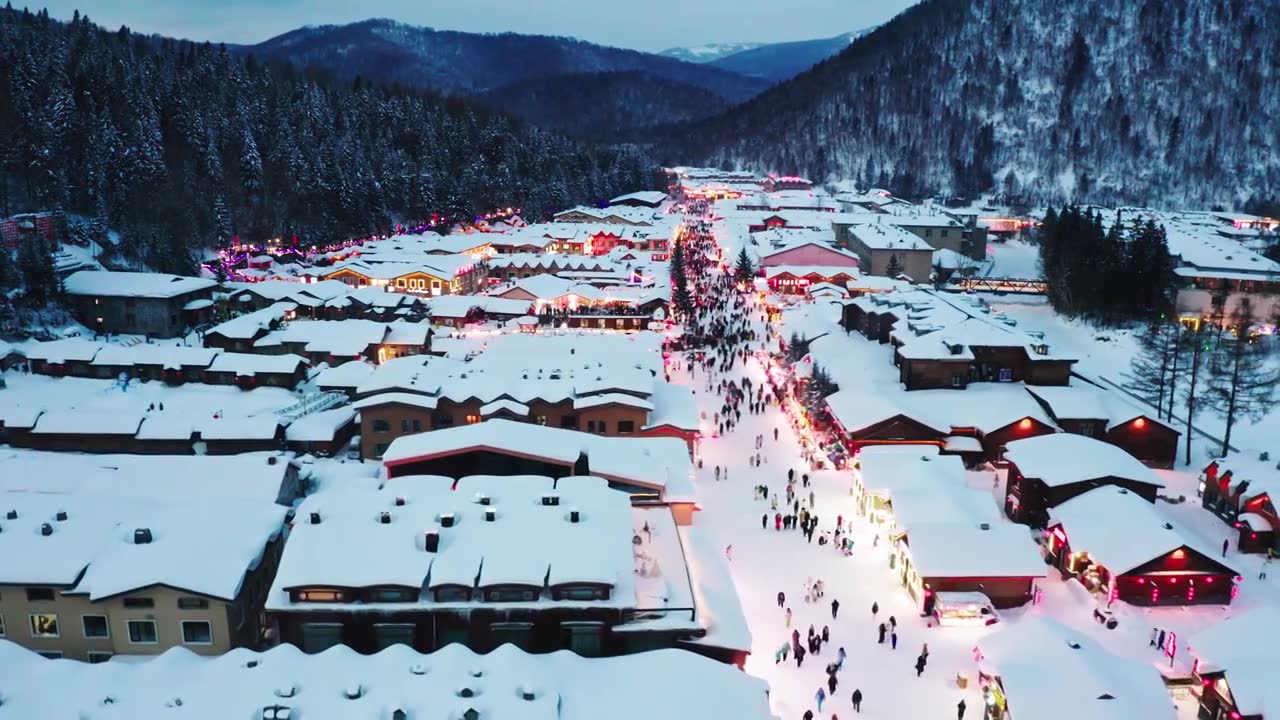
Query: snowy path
column 767, row 561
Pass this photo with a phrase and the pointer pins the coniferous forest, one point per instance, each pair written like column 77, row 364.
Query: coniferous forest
column 181, row 146
column 1105, row 273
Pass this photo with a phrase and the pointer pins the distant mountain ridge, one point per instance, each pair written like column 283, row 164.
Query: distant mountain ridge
column 708, row 53
column 780, row 61
column 471, row 63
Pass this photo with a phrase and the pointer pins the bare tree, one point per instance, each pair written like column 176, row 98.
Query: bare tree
column 1242, row 378
column 1153, row 370
column 1196, row 345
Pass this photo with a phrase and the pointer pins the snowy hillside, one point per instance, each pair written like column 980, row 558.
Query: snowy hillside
column 1151, row 101
column 780, row 61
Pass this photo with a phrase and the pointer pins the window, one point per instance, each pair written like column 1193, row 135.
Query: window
column 542, row 419
column 441, row 420
column 944, row 233
column 381, row 426
column 928, row 232
column 1, row 626
column 197, row 632
column 626, row 427
column 404, row 426
column 139, row 602
column 473, row 419
column 569, row 422
column 591, row 426
column 143, row 632
column 509, row 595
column 51, row 654
column 39, row 594
column 453, row 594
column 319, row 596
column 379, row 449
column 581, row 593
column 1005, row 375
column 392, row 595
column 95, row 626
column 417, row 426
column 956, row 380
column 192, row 603
column 98, row 656
column 44, row 625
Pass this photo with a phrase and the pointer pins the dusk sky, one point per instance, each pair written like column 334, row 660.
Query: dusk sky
column 651, row 25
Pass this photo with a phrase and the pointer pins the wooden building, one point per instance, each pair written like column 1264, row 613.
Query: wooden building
column 139, row 303
column 1117, row 545
column 1093, row 412
column 1235, row 667
column 1044, row 472
column 1238, row 490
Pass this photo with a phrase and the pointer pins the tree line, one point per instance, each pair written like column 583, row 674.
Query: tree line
column 184, row 146
column 1105, row 273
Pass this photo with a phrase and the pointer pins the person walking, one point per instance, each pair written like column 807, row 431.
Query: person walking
column 831, row 685
column 788, row 617
column 1226, row 543
column 782, row 598
column 808, row 715
column 835, row 609
column 875, row 608
column 960, row 710
column 857, row 700
column 764, row 521
column 893, row 622
column 893, row 640
column 840, row 656
column 820, row 696
column 826, row 634
column 799, row 656
column 920, row 663
column 884, row 629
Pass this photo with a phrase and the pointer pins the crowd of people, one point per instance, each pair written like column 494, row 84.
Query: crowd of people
column 717, row 345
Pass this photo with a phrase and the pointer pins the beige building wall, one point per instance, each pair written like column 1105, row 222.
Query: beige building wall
column 232, row 624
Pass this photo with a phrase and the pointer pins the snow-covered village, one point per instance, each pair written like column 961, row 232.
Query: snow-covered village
column 724, row 439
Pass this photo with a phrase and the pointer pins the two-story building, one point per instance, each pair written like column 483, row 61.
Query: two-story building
column 139, row 303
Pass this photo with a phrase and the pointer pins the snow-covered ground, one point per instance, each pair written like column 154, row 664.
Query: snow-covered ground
column 1012, row 258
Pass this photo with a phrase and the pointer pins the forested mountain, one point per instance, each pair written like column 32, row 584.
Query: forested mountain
column 709, row 52
column 471, row 63
column 182, row 146
column 602, row 105
column 780, row 61
column 1171, row 101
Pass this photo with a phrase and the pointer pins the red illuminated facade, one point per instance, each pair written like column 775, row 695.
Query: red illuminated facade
column 1248, row 508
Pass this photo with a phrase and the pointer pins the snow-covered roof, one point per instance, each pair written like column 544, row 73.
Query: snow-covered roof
column 239, row 684
column 674, row 406
column 133, row 284
column 348, row 375
column 169, row 357
column 1244, row 646
column 1051, row 672
column 1087, row 403
column 250, row 364
column 883, row 235
column 504, row 405
column 888, row 468
column 240, row 428
column 590, row 401
column 181, row 478
column 98, row 538
column 964, row 549
column 719, row 610
column 88, row 422
column 352, row 548
column 321, row 426
column 652, row 197
column 1119, row 529
column 661, row 463
column 251, row 324
column 61, row 351
column 426, row 402
column 1064, row 458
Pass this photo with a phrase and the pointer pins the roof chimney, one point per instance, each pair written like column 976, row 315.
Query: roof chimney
column 46, row 529
column 399, row 501
column 550, row 499
column 490, row 515
column 384, row 518
column 315, row 518
column 142, row 536
column 12, row 515
column 61, row 516
column 484, row 499
column 574, row 516
column 446, row 519
column 431, row 541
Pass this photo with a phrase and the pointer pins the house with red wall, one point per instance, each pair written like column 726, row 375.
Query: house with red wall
column 1239, row 489
column 1117, row 544
column 809, row 252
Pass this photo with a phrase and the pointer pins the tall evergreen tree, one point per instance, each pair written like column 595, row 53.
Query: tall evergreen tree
column 744, row 270
column 1153, row 369
column 894, row 267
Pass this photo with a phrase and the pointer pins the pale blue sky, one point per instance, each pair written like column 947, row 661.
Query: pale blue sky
column 645, row 25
